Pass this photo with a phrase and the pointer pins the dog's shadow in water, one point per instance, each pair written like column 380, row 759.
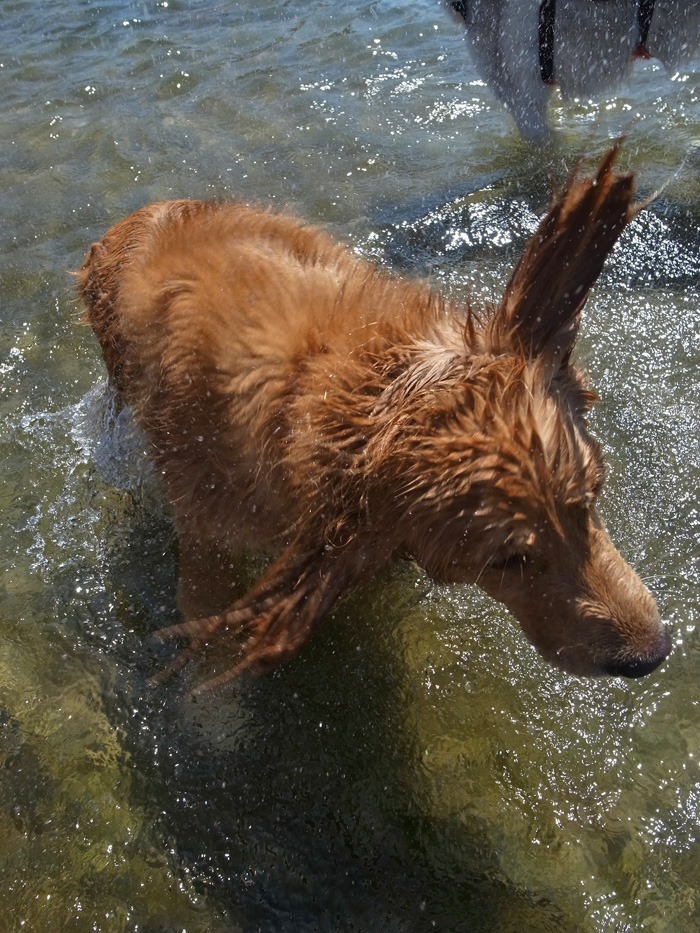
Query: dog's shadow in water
column 296, row 797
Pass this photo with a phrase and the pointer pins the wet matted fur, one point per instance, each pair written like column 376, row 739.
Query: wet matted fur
column 297, row 397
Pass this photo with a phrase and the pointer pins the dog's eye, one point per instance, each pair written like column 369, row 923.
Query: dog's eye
column 510, row 562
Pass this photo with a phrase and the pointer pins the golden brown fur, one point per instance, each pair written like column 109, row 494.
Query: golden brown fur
column 296, row 397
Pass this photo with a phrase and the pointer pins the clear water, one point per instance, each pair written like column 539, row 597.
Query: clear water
column 418, row 767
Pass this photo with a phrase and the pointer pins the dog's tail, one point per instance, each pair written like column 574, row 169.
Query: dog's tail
column 99, row 277
column 549, row 286
column 98, row 287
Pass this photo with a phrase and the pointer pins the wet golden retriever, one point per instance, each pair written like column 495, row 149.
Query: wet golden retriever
column 295, row 396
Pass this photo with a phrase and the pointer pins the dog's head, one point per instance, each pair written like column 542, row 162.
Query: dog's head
column 512, row 508
column 503, row 476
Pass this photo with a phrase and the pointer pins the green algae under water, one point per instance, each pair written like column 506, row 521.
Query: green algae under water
column 418, row 767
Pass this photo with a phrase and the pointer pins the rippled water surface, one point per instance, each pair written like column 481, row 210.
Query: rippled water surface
column 418, row 767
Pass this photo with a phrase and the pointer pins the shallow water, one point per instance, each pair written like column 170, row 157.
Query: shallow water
column 418, row 767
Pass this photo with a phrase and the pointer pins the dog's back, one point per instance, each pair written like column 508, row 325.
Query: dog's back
column 212, row 317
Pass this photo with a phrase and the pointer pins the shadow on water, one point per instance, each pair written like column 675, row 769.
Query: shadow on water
column 293, row 798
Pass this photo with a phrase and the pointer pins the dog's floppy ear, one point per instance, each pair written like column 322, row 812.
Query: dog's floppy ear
column 279, row 613
column 542, row 303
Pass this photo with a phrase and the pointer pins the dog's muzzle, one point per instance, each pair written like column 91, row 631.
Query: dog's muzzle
column 640, row 667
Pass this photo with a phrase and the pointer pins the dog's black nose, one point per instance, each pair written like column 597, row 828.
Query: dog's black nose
column 632, row 668
column 639, row 667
